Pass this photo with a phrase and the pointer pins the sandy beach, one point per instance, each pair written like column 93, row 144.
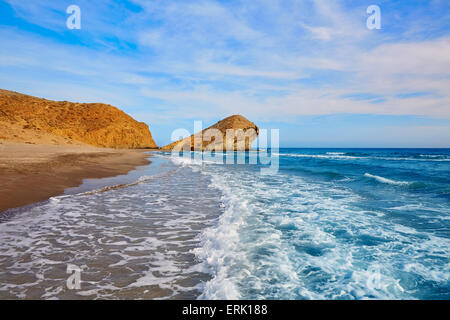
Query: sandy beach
column 32, row 173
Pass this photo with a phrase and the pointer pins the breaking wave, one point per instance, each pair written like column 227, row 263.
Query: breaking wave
column 386, row 180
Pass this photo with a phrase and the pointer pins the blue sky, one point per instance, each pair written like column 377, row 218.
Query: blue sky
column 310, row 68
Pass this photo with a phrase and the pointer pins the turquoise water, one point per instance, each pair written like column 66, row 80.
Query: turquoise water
column 329, row 224
column 333, row 224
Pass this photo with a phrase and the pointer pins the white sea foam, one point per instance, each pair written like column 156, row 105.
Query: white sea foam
column 268, row 237
column 285, row 238
column 386, row 180
column 320, row 156
column 217, row 244
column 344, row 156
column 435, row 156
column 228, row 253
column 143, row 230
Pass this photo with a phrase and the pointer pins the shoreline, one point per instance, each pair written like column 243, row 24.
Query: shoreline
column 32, row 173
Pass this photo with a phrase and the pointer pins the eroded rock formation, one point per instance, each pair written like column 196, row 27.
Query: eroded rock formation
column 235, row 133
column 95, row 124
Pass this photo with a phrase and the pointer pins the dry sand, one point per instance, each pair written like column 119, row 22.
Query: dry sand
column 34, row 172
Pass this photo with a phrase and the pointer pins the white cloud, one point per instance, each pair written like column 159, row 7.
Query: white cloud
column 413, row 58
column 201, row 58
column 322, row 33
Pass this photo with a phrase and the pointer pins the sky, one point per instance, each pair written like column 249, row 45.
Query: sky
column 310, row 68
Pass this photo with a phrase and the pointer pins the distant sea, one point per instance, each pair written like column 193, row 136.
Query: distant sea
column 330, row 224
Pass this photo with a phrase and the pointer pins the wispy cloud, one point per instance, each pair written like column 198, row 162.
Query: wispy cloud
column 268, row 59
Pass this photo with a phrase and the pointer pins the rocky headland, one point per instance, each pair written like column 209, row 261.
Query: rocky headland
column 235, row 133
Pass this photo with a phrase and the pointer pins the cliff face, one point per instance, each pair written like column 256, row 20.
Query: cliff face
column 91, row 123
column 235, row 133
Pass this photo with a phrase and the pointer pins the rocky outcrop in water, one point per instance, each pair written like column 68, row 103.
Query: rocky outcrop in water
column 95, row 124
column 235, row 133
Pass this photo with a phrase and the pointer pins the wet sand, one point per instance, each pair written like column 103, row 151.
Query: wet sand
column 32, row 173
column 134, row 242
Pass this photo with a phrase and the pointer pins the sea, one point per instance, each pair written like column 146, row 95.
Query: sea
column 321, row 224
